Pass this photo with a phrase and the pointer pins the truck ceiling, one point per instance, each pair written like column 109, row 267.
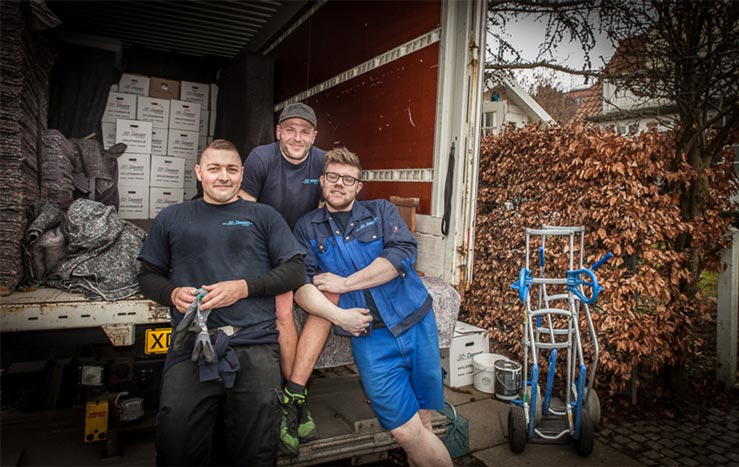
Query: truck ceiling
column 218, row 28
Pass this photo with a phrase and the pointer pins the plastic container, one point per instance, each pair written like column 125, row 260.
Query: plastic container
column 484, row 371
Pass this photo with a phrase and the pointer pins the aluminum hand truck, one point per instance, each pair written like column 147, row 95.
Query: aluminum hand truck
column 553, row 326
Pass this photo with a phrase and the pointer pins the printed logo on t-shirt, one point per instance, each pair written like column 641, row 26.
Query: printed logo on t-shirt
column 311, row 181
column 238, row 223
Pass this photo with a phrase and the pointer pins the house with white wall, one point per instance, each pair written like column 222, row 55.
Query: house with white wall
column 505, row 103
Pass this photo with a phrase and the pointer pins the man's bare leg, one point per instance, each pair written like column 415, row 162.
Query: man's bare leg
column 312, row 339
column 288, row 332
column 421, row 445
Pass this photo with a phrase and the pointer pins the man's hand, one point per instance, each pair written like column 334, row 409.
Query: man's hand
column 223, row 294
column 353, row 320
column 330, row 282
column 182, row 297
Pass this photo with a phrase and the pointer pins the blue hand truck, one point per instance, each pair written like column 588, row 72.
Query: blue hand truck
column 552, row 325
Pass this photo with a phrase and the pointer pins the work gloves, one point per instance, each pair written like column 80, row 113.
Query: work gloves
column 193, row 332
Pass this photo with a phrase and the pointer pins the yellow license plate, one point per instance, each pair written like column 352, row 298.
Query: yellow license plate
column 157, row 341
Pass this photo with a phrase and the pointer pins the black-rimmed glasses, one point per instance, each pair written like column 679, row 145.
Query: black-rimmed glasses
column 348, row 180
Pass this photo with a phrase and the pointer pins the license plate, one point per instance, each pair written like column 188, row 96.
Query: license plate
column 156, row 341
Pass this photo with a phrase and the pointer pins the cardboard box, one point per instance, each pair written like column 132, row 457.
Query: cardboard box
column 204, row 122
column 119, row 105
column 114, row 87
column 212, row 125
column 190, row 193
column 159, row 141
column 134, row 84
column 108, row 134
column 195, row 92
column 456, row 361
column 190, row 179
column 151, row 109
column 213, row 96
column 164, row 88
column 181, row 143
column 133, row 169
column 184, row 115
column 135, row 134
column 202, row 143
column 167, row 172
column 133, row 202
column 160, row 198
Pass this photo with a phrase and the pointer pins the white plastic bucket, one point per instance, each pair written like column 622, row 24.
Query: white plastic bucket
column 484, row 374
column 507, row 379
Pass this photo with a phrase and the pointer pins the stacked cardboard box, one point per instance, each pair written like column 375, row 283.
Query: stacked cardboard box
column 166, row 125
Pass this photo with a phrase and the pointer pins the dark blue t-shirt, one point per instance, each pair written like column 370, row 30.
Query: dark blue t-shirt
column 291, row 189
column 201, row 244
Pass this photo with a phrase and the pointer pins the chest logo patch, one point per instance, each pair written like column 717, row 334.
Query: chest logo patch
column 310, row 181
column 238, row 223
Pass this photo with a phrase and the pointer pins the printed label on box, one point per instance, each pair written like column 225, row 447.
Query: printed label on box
column 160, row 198
column 133, row 202
column 119, row 105
column 159, row 141
column 183, row 144
column 135, row 134
column 156, row 111
column 456, row 360
column 133, row 169
column 167, row 172
column 184, row 115
column 195, row 92
column 134, row 84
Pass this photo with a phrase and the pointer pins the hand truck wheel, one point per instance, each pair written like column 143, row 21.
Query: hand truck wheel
column 517, row 429
column 584, row 444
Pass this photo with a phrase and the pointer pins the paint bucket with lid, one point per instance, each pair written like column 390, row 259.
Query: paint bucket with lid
column 507, row 379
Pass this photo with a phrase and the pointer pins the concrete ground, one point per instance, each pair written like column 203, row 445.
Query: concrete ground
column 487, row 418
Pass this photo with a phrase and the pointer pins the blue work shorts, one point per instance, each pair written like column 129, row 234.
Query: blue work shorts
column 401, row 374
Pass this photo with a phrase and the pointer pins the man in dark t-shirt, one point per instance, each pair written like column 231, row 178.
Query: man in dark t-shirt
column 233, row 256
column 285, row 175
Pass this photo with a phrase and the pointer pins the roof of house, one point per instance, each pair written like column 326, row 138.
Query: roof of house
column 517, row 95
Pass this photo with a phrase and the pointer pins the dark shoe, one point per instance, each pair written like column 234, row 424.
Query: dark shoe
column 289, row 443
column 307, row 430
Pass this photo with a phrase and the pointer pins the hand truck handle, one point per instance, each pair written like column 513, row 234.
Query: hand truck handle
column 523, row 284
column 574, row 284
column 602, row 261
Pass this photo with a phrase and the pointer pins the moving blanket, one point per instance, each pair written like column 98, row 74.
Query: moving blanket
column 101, row 253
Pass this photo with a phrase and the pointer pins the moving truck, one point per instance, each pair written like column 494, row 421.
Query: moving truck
column 399, row 83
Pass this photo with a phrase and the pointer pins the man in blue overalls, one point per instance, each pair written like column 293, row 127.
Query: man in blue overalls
column 364, row 252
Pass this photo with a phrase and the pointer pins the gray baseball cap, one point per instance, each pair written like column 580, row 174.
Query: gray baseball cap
column 298, row 110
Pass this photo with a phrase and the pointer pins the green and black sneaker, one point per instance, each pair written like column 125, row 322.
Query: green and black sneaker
column 289, row 443
column 307, row 430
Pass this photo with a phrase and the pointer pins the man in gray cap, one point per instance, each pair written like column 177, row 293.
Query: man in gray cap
column 286, row 175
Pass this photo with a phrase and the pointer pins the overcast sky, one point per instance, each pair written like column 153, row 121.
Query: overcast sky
column 527, row 35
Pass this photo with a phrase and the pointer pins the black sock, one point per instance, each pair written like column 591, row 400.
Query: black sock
column 295, row 388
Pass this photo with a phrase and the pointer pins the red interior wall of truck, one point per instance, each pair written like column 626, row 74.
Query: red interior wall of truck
column 341, row 35
column 422, row 190
column 387, row 115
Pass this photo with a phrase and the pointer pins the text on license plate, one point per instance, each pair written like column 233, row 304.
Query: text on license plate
column 157, row 341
